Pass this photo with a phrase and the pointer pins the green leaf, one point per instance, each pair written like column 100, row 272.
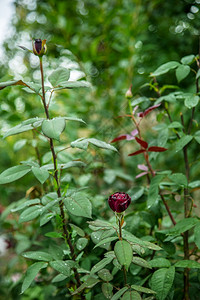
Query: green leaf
column 186, row 60
column 175, row 125
column 197, row 235
column 25, row 204
column 30, row 163
column 81, row 243
column 73, row 85
column 10, row 83
column 101, row 144
column 61, row 266
column 53, row 128
column 32, row 87
column 34, row 121
column 56, row 251
column 24, row 126
column 83, row 144
column 89, row 283
column 160, row 262
column 124, row 253
column 171, row 98
column 141, row 262
column 41, row 174
column 154, row 190
column 179, row 179
column 105, row 275
column 161, row 282
column 54, row 234
column 19, row 145
column 130, row 237
column 100, row 265
column 183, row 142
column 152, row 246
column 30, row 213
column 74, row 119
column 50, row 205
column 45, row 218
column 38, row 255
column 105, row 241
column 194, row 184
column 182, row 72
column 78, row 230
column 72, row 164
column 135, row 193
column 58, row 278
column 192, row 264
column 13, row 173
column 182, row 226
column 130, row 295
column 165, row 68
column 78, row 204
column 107, row 289
column 110, row 175
column 100, row 224
column 191, row 100
column 80, row 143
column 197, row 136
column 31, row 273
column 142, row 289
column 139, row 100
column 119, row 293
column 59, row 77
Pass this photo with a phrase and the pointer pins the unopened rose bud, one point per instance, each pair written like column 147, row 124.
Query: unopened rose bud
column 39, row 47
column 129, row 94
column 119, row 202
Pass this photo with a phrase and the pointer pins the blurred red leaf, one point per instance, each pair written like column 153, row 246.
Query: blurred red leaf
column 148, row 110
column 127, row 137
column 119, row 138
column 142, row 143
column 156, row 149
column 137, row 152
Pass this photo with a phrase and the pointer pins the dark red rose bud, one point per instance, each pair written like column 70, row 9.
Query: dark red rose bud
column 119, row 202
column 39, row 47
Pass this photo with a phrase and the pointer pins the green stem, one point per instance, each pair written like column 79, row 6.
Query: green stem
column 120, row 219
column 61, row 205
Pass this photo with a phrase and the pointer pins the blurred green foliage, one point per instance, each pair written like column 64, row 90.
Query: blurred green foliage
column 114, row 43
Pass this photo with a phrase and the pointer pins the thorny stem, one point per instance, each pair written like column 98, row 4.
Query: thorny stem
column 197, row 91
column 192, row 115
column 186, row 209
column 61, row 205
column 146, row 157
column 186, row 192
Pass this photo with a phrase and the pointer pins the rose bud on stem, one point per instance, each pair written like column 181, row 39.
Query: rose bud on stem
column 119, row 202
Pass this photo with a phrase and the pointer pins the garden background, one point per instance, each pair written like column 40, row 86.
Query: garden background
column 113, row 45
